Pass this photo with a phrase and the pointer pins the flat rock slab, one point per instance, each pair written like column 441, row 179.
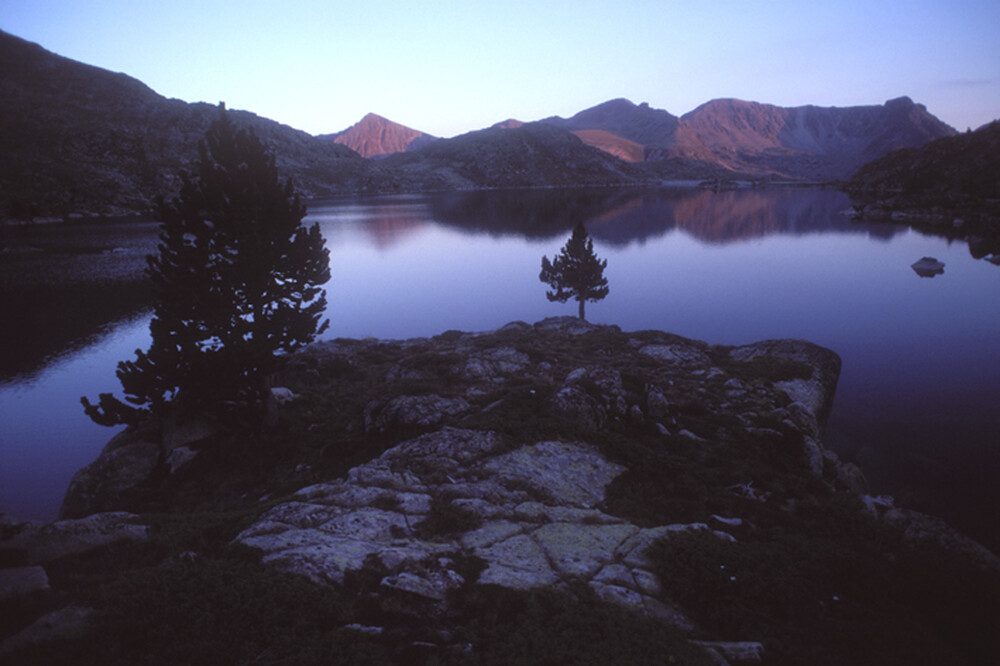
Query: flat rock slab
column 536, row 520
column 44, row 543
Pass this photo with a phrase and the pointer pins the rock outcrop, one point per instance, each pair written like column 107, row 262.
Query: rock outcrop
column 638, row 475
column 534, row 512
column 531, row 514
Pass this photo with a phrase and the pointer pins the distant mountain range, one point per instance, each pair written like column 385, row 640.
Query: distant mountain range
column 762, row 140
column 77, row 138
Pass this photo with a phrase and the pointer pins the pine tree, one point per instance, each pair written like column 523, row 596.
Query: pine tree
column 576, row 272
column 237, row 281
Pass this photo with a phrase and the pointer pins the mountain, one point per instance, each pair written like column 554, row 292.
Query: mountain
column 966, row 165
column 809, row 141
column 532, row 155
column 623, row 149
column 640, row 124
column 80, row 138
column 374, row 136
column 949, row 186
column 510, row 123
column 763, row 140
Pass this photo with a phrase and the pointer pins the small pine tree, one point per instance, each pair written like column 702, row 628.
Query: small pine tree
column 576, row 272
column 237, row 280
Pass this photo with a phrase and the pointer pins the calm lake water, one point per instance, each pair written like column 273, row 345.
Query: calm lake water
column 916, row 406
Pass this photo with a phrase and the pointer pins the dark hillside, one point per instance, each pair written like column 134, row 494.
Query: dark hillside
column 77, row 138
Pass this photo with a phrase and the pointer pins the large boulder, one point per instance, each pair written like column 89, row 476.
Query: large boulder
column 816, row 392
column 126, row 463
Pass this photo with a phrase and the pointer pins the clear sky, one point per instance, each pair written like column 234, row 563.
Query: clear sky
column 448, row 67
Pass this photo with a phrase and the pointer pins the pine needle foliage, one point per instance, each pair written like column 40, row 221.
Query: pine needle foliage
column 237, row 281
column 575, row 272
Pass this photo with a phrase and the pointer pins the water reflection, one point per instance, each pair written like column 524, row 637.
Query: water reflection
column 622, row 217
column 65, row 285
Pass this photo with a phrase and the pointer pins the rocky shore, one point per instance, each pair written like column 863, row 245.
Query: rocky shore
column 426, row 485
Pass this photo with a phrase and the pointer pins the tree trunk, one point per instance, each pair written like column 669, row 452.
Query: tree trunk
column 581, row 310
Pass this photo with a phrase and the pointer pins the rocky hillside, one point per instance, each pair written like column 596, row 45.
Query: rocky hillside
column 640, row 124
column 374, row 136
column 531, row 155
column 76, row 138
column 763, row 140
column 950, row 185
column 555, row 493
column 962, row 166
column 623, row 149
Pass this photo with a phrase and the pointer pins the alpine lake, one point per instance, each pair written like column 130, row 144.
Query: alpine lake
column 917, row 406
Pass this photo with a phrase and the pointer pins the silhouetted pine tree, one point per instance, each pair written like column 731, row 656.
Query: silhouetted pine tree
column 576, row 272
column 237, row 280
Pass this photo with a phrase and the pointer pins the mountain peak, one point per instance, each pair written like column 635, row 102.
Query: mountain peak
column 899, row 102
column 376, row 136
column 641, row 123
column 510, row 123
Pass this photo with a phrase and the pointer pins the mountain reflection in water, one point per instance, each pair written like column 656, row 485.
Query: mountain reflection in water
column 621, row 217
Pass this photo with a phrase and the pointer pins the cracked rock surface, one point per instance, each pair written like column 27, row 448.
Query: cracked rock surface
column 535, row 510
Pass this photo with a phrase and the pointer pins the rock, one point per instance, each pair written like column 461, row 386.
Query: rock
column 575, row 404
column 20, row 581
column 180, row 457
column 433, row 585
column 67, row 622
column 186, row 431
column 927, row 267
column 44, row 543
column 848, row 474
column 518, row 563
column 418, row 410
column 493, row 364
column 569, row 325
column 676, row 353
column 571, row 474
column 816, row 393
column 330, row 529
column 740, row 652
column 732, row 522
column 657, row 405
column 814, row 455
column 578, row 550
column 283, row 395
column 126, row 463
column 606, row 382
column 876, row 506
column 921, row 528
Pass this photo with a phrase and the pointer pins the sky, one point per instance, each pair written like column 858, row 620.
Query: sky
column 448, row 67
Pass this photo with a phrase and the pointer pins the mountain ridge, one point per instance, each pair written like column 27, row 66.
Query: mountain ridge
column 78, row 139
column 765, row 140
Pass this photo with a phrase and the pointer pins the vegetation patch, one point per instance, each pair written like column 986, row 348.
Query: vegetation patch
column 446, row 518
column 824, row 572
